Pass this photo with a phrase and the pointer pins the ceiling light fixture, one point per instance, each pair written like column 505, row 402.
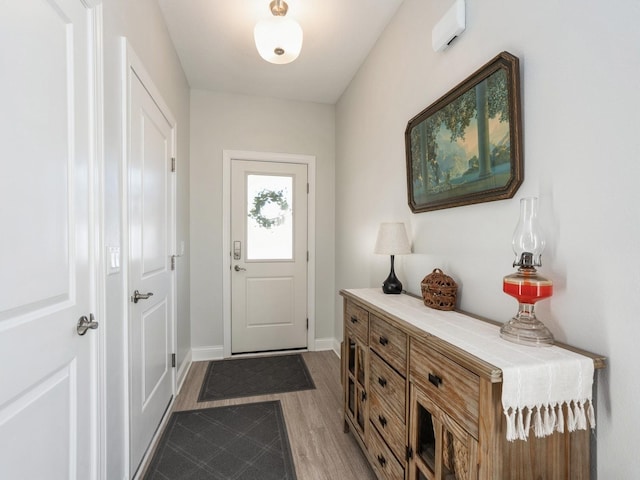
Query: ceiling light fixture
column 278, row 39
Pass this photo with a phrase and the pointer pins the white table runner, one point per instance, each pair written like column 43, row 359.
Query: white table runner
column 536, row 381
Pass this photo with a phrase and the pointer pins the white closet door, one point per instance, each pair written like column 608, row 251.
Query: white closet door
column 47, row 370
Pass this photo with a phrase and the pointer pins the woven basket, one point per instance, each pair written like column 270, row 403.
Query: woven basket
column 439, row 290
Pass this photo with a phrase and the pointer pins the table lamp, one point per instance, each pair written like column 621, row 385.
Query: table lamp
column 392, row 240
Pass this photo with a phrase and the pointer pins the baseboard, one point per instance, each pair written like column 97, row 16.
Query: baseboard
column 328, row 344
column 337, row 347
column 203, row 354
column 321, row 344
column 183, row 371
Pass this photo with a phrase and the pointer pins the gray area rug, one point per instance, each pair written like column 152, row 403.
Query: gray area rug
column 233, row 442
column 247, row 377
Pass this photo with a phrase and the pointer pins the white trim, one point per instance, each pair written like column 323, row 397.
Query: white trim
column 133, row 65
column 99, row 446
column 203, row 354
column 183, row 371
column 332, row 344
column 310, row 161
column 89, row 4
column 337, row 347
column 322, row 344
column 124, row 251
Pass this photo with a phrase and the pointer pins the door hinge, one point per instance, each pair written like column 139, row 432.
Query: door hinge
column 307, row 324
column 173, row 164
column 173, row 262
column 307, row 255
column 409, row 453
column 307, row 189
column 173, row 360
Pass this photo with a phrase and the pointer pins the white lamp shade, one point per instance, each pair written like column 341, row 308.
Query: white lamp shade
column 392, row 240
column 278, row 39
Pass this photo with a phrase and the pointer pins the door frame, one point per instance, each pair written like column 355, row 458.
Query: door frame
column 97, row 229
column 132, row 65
column 310, row 161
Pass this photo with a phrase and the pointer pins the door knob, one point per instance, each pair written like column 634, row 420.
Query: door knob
column 140, row 296
column 239, row 269
column 85, row 324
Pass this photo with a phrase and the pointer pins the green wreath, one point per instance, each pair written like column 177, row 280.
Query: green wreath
column 269, row 197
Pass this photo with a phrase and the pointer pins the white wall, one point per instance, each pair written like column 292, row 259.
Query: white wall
column 142, row 24
column 236, row 122
column 580, row 96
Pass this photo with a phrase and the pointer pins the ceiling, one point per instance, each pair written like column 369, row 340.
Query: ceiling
column 214, row 40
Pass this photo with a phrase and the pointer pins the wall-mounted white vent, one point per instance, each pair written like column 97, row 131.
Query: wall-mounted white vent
column 450, row 26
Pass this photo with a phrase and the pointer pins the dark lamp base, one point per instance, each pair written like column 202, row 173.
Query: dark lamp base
column 392, row 284
column 392, row 287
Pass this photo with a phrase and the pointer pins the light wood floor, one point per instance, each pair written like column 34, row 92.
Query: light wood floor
column 321, row 450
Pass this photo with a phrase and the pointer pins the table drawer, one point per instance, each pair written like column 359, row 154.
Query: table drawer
column 356, row 319
column 383, row 461
column 390, row 426
column 387, row 384
column 390, row 343
column 454, row 388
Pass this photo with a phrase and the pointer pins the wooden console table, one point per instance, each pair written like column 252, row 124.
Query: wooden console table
column 422, row 408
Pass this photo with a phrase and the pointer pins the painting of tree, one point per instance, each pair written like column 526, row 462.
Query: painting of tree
column 465, row 148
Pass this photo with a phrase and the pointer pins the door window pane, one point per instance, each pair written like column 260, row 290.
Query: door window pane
column 269, row 217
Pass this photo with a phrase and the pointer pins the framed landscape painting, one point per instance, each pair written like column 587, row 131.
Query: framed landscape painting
column 467, row 147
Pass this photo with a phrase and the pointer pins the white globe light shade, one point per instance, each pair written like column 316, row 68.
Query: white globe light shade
column 278, row 39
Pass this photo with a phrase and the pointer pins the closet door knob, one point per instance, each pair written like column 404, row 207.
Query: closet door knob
column 140, row 296
column 85, row 324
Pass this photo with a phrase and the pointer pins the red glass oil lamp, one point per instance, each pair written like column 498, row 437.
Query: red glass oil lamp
column 526, row 285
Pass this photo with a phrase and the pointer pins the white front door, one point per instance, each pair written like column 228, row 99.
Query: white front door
column 47, row 371
column 268, row 256
column 151, row 306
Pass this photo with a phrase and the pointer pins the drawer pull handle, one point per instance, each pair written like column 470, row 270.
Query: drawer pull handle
column 354, row 319
column 382, row 420
column 436, row 380
column 382, row 461
column 382, row 382
column 383, row 341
